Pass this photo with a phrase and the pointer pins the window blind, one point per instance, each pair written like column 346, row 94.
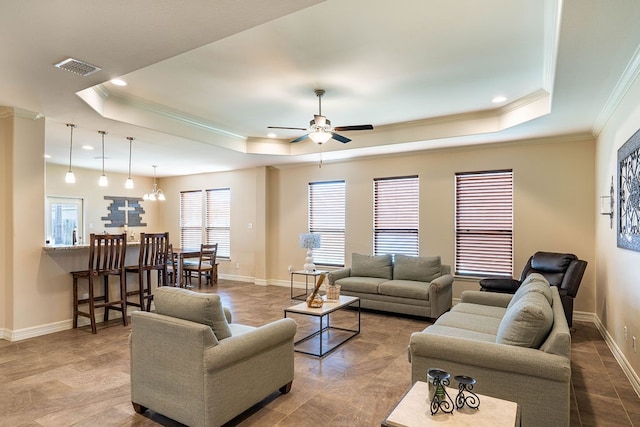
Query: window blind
column 218, row 223
column 190, row 219
column 396, row 214
column 327, row 217
column 484, row 223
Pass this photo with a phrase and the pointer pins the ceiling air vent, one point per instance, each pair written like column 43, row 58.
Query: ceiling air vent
column 77, row 67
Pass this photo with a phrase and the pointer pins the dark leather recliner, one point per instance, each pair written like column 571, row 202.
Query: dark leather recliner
column 562, row 270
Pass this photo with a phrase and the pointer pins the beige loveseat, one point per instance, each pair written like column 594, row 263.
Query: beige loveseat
column 191, row 364
column 420, row 286
column 517, row 347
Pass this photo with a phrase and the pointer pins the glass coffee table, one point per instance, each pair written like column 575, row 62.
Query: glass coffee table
column 326, row 337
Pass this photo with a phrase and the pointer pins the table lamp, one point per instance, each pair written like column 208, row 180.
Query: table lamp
column 309, row 241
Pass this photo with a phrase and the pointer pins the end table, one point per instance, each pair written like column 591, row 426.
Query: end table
column 307, row 274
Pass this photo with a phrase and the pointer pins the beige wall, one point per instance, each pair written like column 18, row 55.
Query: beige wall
column 248, row 230
column 553, row 202
column 618, row 281
column 6, row 170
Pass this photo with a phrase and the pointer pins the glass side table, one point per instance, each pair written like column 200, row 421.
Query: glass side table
column 313, row 275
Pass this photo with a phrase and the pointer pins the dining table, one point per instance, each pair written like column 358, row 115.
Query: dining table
column 180, row 254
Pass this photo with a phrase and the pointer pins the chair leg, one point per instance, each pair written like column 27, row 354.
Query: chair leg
column 105, row 281
column 139, row 408
column 92, row 308
column 75, row 302
column 286, row 388
column 123, row 298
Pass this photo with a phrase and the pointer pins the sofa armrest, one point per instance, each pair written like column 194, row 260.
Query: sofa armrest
column 244, row 346
column 338, row 274
column 486, row 298
column 526, row 362
column 440, row 294
column 227, row 314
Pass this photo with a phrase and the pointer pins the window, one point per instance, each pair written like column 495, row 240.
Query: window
column 396, row 216
column 219, row 220
column 327, row 217
column 484, row 223
column 190, row 219
column 63, row 215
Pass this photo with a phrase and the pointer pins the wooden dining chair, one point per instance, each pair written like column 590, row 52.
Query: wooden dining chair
column 153, row 257
column 106, row 258
column 172, row 271
column 206, row 266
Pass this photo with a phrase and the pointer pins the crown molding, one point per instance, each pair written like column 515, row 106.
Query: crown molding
column 623, row 85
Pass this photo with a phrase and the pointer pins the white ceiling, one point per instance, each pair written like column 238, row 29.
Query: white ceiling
column 205, row 80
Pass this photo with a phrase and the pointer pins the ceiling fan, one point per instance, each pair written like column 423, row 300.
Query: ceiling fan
column 320, row 130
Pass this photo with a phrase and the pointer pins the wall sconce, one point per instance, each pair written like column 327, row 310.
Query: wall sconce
column 607, row 204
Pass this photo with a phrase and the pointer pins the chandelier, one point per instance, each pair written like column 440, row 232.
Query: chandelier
column 156, row 193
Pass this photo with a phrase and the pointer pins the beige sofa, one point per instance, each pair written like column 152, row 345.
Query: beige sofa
column 419, row 286
column 191, row 364
column 517, row 347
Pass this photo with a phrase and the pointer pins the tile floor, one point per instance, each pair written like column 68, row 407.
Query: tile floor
column 74, row 378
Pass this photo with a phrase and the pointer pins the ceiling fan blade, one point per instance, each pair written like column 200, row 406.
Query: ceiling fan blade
column 356, row 127
column 302, row 138
column 340, row 138
column 283, row 127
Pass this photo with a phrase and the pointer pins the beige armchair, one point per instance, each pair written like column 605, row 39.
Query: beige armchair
column 191, row 364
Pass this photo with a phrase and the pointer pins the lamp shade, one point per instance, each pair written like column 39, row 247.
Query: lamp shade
column 309, row 240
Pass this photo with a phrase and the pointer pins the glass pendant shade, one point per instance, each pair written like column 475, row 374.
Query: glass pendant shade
column 103, row 181
column 129, row 182
column 70, row 177
column 320, row 137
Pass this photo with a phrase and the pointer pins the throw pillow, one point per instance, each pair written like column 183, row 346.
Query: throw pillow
column 371, row 266
column 193, row 306
column 527, row 323
column 534, row 282
column 421, row 269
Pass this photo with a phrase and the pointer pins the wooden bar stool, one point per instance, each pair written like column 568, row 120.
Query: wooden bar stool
column 106, row 258
column 205, row 267
column 172, row 272
column 153, row 256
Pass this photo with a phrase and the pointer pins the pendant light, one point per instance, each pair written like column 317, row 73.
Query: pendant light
column 156, row 193
column 103, row 182
column 70, row 177
column 129, row 182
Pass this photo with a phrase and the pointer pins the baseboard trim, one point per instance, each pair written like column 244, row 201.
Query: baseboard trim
column 36, row 331
column 618, row 354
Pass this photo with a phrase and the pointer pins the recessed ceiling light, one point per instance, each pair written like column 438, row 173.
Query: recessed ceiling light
column 118, row 82
column 272, row 135
column 499, row 99
column 87, row 147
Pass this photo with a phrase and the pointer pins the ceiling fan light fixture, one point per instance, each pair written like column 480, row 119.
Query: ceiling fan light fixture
column 320, row 136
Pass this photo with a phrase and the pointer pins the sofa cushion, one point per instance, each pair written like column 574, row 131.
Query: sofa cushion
column 405, row 289
column 482, row 310
column 371, row 266
column 471, row 322
column 193, row 306
column 527, row 323
column 367, row 285
column 535, row 282
column 421, row 269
